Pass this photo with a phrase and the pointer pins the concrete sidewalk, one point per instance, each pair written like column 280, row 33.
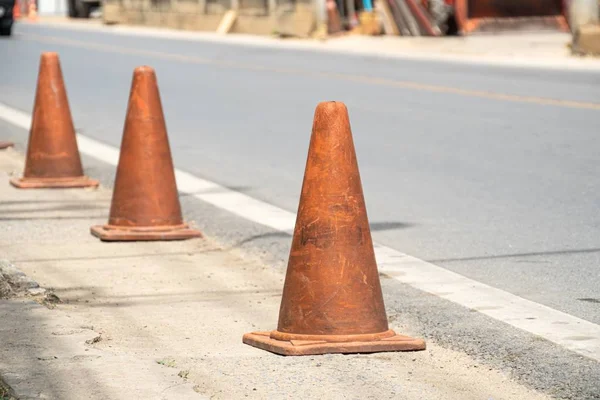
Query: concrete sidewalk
column 164, row 320
column 548, row 50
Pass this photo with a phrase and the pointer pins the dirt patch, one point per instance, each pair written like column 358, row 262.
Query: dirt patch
column 6, row 392
column 5, row 289
column 14, row 283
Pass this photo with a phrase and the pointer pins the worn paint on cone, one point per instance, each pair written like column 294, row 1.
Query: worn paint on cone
column 53, row 159
column 145, row 203
column 332, row 300
column 4, row 144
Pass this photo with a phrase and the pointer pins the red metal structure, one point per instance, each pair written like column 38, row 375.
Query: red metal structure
column 449, row 17
column 489, row 15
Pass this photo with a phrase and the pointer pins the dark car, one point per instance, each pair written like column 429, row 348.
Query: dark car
column 82, row 8
column 6, row 17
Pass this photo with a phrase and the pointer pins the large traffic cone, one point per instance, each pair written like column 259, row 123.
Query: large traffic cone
column 332, row 300
column 5, row 144
column 53, row 159
column 145, row 203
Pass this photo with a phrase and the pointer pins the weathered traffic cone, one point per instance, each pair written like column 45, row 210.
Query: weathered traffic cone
column 145, row 203
column 53, row 159
column 5, row 144
column 332, row 300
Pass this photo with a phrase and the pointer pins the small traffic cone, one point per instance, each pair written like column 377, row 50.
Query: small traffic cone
column 32, row 11
column 5, row 144
column 17, row 10
column 332, row 300
column 145, row 203
column 53, row 159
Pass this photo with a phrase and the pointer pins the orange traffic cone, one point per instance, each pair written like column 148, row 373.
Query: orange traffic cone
column 5, row 144
column 145, row 203
column 53, row 159
column 32, row 11
column 17, row 10
column 332, row 300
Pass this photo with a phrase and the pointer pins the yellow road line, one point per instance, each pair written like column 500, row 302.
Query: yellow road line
column 328, row 75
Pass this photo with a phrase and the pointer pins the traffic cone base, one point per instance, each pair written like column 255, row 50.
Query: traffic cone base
column 4, row 145
column 296, row 345
column 54, row 183
column 110, row 233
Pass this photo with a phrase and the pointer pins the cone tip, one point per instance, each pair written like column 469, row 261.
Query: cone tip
column 144, row 70
column 331, row 106
column 50, row 55
column 329, row 114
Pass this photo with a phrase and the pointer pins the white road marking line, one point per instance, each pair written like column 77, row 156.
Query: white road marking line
column 575, row 334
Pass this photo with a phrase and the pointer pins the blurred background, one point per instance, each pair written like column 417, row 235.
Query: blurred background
column 305, row 18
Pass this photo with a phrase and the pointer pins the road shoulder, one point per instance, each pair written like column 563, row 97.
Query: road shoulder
column 165, row 320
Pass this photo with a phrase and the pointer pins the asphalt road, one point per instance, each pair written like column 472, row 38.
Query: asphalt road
column 472, row 168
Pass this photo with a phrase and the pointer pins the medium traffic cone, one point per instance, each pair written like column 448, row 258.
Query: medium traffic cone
column 53, row 159
column 332, row 300
column 4, row 144
column 145, row 203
